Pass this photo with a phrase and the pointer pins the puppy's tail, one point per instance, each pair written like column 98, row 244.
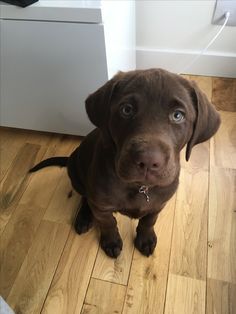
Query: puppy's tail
column 54, row 161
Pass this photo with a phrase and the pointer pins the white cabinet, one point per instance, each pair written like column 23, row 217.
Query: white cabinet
column 54, row 53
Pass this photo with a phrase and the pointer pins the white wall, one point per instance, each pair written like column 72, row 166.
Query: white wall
column 170, row 34
column 119, row 19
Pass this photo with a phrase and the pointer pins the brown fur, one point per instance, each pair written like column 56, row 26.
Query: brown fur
column 122, row 154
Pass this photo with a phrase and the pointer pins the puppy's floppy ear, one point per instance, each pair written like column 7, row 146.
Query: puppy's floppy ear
column 207, row 119
column 98, row 103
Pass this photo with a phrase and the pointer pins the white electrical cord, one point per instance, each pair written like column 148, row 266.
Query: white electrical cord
column 226, row 16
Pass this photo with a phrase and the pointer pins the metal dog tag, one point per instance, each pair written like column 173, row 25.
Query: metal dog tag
column 144, row 190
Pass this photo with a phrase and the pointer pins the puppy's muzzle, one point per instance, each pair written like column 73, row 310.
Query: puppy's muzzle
column 148, row 162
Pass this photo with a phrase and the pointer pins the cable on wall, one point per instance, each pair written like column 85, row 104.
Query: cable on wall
column 226, row 16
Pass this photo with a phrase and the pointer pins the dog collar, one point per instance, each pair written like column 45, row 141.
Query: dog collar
column 144, row 190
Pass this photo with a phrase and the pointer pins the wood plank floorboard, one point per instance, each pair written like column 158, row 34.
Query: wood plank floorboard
column 104, row 297
column 33, row 281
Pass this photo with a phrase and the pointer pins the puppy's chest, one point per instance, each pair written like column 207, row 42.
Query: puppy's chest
column 137, row 203
column 132, row 201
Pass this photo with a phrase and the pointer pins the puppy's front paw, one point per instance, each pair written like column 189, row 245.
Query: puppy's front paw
column 146, row 242
column 83, row 222
column 112, row 246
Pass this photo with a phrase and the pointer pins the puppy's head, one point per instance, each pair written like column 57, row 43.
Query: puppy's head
column 149, row 116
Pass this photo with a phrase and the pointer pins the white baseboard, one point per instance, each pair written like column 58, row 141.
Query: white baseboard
column 210, row 64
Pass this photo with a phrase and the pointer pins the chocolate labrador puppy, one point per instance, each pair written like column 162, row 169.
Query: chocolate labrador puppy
column 131, row 162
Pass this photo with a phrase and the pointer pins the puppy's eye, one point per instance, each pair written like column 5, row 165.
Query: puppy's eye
column 177, row 116
column 127, row 110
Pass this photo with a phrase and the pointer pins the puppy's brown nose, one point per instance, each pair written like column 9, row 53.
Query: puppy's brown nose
column 149, row 160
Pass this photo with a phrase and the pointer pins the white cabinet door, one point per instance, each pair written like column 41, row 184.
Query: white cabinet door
column 47, row 71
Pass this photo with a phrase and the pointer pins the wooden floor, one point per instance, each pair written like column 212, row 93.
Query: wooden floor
column 47, row 268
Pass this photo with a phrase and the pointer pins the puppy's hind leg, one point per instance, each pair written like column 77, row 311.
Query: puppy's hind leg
column 84, row 218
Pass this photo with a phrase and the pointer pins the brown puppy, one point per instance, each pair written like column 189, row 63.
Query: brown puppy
column 130, row 162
